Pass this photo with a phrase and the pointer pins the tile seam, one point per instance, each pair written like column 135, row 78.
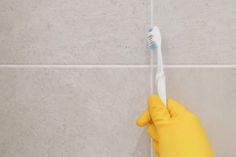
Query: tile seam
column 113, row 66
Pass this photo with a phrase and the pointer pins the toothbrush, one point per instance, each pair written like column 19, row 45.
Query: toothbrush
column 154, row 43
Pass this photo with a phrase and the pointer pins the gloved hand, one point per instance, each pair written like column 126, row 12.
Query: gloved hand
column 175, row 131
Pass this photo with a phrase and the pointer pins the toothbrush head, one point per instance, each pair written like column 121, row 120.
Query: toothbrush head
column 154, row 38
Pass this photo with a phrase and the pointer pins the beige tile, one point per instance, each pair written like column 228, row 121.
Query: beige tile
column 210, row 94
column 72, row 112
column 197, row 31
column 114, row 32
column 82, row 112
column 73, row 32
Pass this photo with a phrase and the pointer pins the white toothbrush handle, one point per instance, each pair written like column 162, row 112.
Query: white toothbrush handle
column 161, row 87
column 160, row 76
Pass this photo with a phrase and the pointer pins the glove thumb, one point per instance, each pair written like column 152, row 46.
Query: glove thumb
column 143, row 119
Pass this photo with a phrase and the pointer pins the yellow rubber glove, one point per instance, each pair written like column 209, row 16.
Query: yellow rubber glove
column 175, row 131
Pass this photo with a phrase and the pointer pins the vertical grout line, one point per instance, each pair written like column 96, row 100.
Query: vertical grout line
column 151, row 68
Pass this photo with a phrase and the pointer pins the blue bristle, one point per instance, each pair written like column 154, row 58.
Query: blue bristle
column 152, row 46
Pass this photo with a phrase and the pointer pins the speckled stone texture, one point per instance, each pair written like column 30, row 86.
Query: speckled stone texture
column 67, row 112
column 73, row 32
column 114, row 32
column 87, row 112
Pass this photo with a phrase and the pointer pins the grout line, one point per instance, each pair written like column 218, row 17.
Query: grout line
column 114, row 66
column 201, row 66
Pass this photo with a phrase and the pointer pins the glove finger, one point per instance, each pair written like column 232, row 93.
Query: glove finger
column 151, row 131
column 143, row 119
column 176, row 109
column 157, row 109
column 155, row 147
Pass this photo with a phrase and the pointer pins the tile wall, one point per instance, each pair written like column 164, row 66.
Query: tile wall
column 74, row 75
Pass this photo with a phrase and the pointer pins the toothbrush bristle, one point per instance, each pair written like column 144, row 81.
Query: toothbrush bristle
column 151, row 43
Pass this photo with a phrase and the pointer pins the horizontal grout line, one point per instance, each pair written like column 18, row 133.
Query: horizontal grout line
column 201, row 66
column 114, row 66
